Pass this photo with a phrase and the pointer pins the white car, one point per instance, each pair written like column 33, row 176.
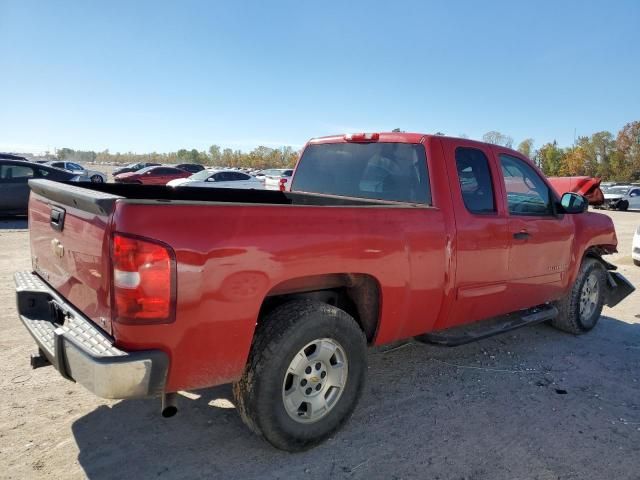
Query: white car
column 94, row 176
column 635, row 247
column 278, row 179
column 621, row 197
column 218, row 179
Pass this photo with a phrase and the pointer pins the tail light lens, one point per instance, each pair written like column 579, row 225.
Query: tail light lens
column 283, row 184
column 144, row 281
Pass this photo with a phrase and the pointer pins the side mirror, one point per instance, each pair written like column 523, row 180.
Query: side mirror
column 574, row 203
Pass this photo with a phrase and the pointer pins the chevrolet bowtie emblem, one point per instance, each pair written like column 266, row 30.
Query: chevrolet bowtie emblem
column 57, row 248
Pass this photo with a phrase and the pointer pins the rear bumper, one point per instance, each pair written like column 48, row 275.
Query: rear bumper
column 80, row 351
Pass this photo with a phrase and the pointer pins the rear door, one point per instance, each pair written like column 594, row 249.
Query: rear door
column 482, row 238
column 541, row 241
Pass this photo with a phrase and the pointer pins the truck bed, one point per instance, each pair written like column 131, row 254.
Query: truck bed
column 233, row 249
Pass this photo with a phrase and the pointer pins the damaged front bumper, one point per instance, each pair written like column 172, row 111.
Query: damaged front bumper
column 618, row 289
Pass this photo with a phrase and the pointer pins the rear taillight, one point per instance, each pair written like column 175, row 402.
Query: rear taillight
column 143, row 280
column 283, row 184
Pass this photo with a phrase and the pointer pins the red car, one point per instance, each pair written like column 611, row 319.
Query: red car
column 588, row 187
column 383, row 237
column 152, row 175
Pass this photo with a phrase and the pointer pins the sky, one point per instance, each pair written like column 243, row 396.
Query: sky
column 159, row 76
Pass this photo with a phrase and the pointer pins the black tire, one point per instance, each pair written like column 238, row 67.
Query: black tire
column 623, row 206
column 281, row 335
column 569, row 318
column 636, row 263
column 97, row 179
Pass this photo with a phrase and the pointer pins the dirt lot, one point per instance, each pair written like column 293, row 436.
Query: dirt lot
column 536, row 403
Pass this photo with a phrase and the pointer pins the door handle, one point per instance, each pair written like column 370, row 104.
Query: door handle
column 522, row 235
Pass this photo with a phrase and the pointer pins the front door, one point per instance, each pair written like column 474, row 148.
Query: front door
column 541, row 241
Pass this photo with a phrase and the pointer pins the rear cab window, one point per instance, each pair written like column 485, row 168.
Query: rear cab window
column 379, row 171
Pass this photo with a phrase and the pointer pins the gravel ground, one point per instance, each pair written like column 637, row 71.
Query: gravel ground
column 535, row 403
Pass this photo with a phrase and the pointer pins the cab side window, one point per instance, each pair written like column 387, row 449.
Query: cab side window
column 475, row 181
column 527, row 194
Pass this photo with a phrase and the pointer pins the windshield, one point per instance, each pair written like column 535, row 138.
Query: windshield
column 201, row 176
column 617, row 190
column 382, row 171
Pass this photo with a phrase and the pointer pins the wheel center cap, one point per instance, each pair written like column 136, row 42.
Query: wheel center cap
column 315, row 379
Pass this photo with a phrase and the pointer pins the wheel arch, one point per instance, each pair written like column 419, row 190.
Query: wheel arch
column 358, row 294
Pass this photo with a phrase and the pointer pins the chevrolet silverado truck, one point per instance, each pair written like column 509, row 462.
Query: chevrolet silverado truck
column 145, row 291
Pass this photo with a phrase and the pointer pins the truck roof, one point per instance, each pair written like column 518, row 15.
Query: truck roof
column 402, row 137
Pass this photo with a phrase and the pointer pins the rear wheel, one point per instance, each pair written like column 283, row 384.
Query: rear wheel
column 636, row 263
column 580, row 310
column 305, row 374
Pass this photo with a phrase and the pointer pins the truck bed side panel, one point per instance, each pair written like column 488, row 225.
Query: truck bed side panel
column 230, row 258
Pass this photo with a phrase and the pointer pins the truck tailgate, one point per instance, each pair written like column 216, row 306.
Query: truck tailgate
column 69, row 232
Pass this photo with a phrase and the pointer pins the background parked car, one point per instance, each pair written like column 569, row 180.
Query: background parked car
column 278, row 179
column 133, row 167
column 218, row 179
column 14, row 178
column 589, row 187
column 635, row 247
column 11, row 156
column 93, row 175
column 190, row 167
column 152, row 175
column 621, row 197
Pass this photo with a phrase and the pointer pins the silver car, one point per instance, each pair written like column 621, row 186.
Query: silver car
column 93, row 175
column 621, row 197
column 218, row 179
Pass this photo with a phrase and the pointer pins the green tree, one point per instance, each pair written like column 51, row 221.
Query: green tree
column 525, row 147
column 550, row 158
column 628, row 148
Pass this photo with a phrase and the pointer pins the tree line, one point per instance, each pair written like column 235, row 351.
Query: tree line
column 259, row 158
column 600, row 155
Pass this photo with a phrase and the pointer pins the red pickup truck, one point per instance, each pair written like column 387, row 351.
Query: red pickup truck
column 141, row 291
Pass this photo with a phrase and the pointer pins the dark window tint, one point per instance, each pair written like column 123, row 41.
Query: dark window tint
column 475, row 180
column 239, row 176
column 382, row 171
column 223, row 177
column 287, row 173
column 527, row 194
column 165, row 171
column 15, row 173
column 74, row 166
column 58, row 164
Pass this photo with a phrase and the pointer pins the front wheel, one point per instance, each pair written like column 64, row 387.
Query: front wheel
column 305, row 374
column 97, row 179
column 623, row 206
column 580, row 310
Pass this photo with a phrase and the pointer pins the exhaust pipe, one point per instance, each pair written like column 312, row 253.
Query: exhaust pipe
column 169, row 404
